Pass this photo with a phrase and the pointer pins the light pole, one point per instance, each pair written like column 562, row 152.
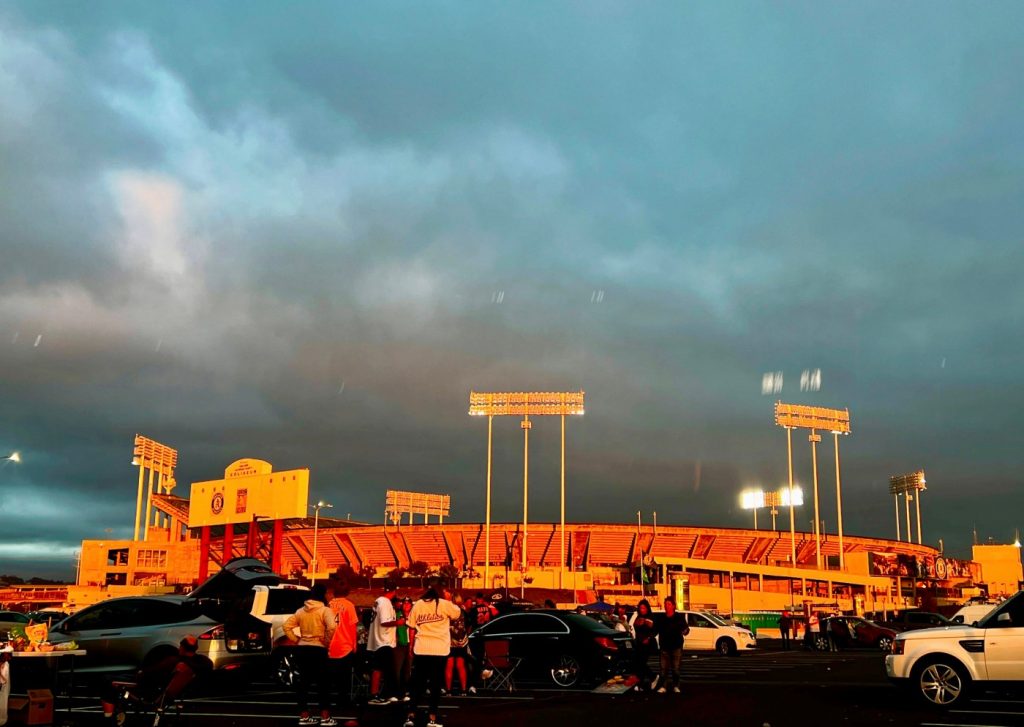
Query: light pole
column 316, row 527
column 785, row 497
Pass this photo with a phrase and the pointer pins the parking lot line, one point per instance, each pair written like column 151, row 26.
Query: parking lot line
column 958, row 724
column 983, row 711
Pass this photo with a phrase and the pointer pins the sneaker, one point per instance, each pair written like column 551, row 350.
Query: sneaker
column 675, row 689
column 654, row 682
column 328, row 721
column 433, row 722
column 391, row 700
column 406, row 698
column 472, row 690
column 309, row 720
column 662, row 690
column 410, row 721
column 377, row 701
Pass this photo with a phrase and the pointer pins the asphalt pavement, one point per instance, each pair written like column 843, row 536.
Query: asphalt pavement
column 767, row 687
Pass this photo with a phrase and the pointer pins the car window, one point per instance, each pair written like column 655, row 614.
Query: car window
column 282, row 601
column 150, row 612
column 587, row 623
column 1014, row 607
column 695, row 620
column 100, row 616
column 527, row 623
column 13, row 617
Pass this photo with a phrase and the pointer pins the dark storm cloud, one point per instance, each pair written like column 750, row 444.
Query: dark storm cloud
column 304, row 233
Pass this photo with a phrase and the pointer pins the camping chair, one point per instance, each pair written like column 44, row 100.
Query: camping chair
column 501, row 664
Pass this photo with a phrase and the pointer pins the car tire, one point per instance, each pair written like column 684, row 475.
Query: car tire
column 820, row 643
column 726, row 646
column 942, row 682
column 566, row 672
column 283, row 668
column 884, row 643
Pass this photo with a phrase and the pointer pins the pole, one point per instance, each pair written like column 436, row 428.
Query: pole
column 487, row 532
column 774, row 513
column 526, row 424
column 814, row 438
column 896, row 502
column 655, row 522
column 316, row 528
column 561, row 568
column 910, row 534
column 755, row 518
column 917, row 502
column 792, row 516
column 839, row 506
column 159, row 491
column 149, row 504
column 138, row 501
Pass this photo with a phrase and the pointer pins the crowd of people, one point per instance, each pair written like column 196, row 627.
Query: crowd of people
column 414, row 651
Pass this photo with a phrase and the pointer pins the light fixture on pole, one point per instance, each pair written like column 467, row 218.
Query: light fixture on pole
column 837, row 421
column 913, row 482
column 756, row 499
column 316, row 528
column 12, row 457
column 160, row 460
column 524, row 404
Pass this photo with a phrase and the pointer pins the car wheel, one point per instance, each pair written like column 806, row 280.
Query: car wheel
column 942, row 683
column 726, row 647
column 284, row 668
column 566, row 672
column 820, row 643
column 884, row 643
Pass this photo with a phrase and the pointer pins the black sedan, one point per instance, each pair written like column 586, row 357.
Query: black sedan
column 567, row 648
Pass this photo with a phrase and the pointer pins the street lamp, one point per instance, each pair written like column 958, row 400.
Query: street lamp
column 316, row 527
column 13, row 457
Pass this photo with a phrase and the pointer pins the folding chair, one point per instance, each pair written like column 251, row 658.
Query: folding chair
column 501, row 664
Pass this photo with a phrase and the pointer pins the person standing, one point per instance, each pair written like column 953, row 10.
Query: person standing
column 457, row 656
column 403, row 650
column 671, row 629
column 341, row 652
column 809, row 628
column 431, row 617
column 5, row 681
column 312, row 626
column 825, row 630
column 644, row 645
column 785, row 625
column 381, row 644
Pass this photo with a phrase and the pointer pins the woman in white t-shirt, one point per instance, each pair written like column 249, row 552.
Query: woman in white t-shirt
column 431, row 617
column 5, row 681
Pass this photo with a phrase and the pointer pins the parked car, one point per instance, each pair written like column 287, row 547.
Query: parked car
column 121, row 634
column 709, row 632
column 567, row 648
column 237, row 614
column 972, row 613
column 941, row 665
column 911, row 620
column 10, row 619
column 851, row 632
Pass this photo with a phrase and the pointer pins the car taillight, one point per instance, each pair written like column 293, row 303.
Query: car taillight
column 214, row 634
column 898, row 645
column 605, row 643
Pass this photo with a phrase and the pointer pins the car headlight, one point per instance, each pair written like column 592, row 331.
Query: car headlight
column 898, row 645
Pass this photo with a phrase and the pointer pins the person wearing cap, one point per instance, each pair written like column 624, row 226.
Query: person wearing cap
column 341, row 652
column 381, row 644
column 312, row 628
column 5, row 681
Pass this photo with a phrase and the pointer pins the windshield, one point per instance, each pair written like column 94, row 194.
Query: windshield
column 717, row 620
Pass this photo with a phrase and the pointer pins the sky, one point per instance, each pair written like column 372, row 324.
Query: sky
column 305, row 232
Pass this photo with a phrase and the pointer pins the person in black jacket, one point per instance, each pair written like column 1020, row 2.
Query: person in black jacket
column 671, row 629
column 644, row 645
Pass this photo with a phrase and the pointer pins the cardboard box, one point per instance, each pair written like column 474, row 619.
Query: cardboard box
column 35, row 708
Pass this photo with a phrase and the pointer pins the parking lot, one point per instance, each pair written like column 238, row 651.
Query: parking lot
column 765, row 687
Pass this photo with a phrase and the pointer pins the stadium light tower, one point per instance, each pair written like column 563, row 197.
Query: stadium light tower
column 913, row 482
column 756, row 499
column 524, row 404
column 156, row 458
column 837, row 421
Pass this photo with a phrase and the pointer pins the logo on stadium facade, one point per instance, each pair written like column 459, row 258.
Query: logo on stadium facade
column 217, row 503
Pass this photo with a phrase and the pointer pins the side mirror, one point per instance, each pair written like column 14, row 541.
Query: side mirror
column 1004, row 619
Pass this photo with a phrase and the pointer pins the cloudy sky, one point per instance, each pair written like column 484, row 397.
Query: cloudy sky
column 304, row 232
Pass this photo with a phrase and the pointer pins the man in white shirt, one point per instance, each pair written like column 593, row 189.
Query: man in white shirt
column 381, row 643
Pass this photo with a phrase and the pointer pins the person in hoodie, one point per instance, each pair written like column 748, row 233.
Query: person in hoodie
column 311, row 630
column 431, row 617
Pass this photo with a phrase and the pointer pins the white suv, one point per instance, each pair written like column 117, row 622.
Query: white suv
column 941, row 664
